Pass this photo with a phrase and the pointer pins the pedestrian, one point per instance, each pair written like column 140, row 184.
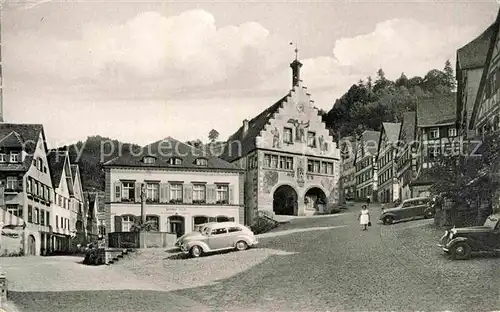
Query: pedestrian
column 368, row 200
column 364, row 217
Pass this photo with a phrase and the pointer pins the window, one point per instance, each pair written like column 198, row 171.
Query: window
column 39, row 164
column 219, row 231
column 452, row 132
column 102, row 230
column 286, row 163
column 14, row 157
column 128, row 191
column 47, row 218
column 155, row 222
column 222, row 194
column 12, row 183
column 329, row 167
column 59, row 200
column 36, row 218
column 323, row 168
column 152, row 193
column 201, row 162
column 37, row 188
column 127, row 222
column 311, row 139
column 62, row 223
column 3, row 157
column 30, row 213
column 310, row 166
column 316, row 166
column 149, row 160
column 174, row 161
column 57, row 221
column 16, row 210
column 274, row 161
column 433, row 151
column 234, row 229
column 176, row 193
column 42, row 217
column 267, row 160
column 287, row 135
column 434, row 133
column 199, row 192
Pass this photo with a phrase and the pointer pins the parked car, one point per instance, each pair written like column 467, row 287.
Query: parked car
column 217, row 237
column 460, row 243
column 408, row 209
column 197, row 229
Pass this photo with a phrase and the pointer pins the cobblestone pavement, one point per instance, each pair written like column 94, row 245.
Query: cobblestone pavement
column 310, row 264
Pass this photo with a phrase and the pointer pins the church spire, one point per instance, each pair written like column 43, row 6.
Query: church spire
column 295, row 65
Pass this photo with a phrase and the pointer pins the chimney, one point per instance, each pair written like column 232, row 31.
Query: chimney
column 295, row 65
column 245, row 126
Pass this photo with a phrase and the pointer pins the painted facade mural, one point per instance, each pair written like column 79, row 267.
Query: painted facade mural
column 270, row 179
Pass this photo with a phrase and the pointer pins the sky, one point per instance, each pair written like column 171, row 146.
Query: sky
column 140, row 71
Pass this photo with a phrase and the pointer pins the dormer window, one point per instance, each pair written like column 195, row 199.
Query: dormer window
column 175, row 161
column 201, row 162
column 14, row 157
column 149, row 160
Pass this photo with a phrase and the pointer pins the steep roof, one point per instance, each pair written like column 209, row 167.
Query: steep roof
column 436, row 110
column 74, row 169
column 167, row 148
column 473, row 54
column 56, row 160
column 370, row 140
column 407, row 132
column 391, row 130
column 28, row 135
column 248, row 140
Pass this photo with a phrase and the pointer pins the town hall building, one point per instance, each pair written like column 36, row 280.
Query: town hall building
column 290, row 158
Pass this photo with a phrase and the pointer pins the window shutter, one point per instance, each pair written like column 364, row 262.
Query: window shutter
column 162, row 193
column 137, row 192
column 187, row 193
column 231, row 195
column 118, row 224
column 211, row 194
column 118, row 191
column 167, row 192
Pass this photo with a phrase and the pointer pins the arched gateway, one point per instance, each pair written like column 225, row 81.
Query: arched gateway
column 285, row 201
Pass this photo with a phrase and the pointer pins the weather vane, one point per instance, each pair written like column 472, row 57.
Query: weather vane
column 297, row 49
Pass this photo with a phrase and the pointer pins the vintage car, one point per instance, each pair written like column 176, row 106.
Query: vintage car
column 460, row 243
column 408, row 209
column 217, row 237
column 197, row 229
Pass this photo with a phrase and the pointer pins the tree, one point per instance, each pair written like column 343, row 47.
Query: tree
column 469, row 177
column 402, row 81
column 449, row 80
column 213, row 135
column 369, row 83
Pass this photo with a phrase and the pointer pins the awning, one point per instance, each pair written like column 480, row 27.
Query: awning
column 10, row 221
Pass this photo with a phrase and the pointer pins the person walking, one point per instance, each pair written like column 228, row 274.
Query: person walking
column 364, row 217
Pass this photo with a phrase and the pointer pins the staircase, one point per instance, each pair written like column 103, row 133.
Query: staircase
column 264, row 222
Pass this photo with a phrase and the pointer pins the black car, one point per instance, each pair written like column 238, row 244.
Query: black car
column 408, row 209
column 459, row 243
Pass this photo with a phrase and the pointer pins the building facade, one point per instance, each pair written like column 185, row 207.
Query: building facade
column 406, row 155
column 93, row 202
column 77, row 227
column 290, row 158
column 180, row 186
column 26, row 181
column 366, row 166
column 347, row 168
column 436, row 135
column 388, row 183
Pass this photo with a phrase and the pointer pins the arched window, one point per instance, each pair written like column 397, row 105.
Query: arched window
column 197, row 220
column 127, row 222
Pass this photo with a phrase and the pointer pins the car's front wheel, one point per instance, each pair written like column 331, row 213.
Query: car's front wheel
column 241, row 245
column 429, row 214
column 388, row 220
column 460, row 251
column 195, row 251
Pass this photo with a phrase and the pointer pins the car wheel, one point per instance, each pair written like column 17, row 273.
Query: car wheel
column 195, row 251
column 460, row 251
column 429, row 214
column 241, row 245
column 388, row 220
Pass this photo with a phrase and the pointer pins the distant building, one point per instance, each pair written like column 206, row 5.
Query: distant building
column 407, row 153
column 290, row 158
column 183, row 186
column 366, row 166
column 436, row 134
column 347, row 168
column 388, row 184
column 93, row 209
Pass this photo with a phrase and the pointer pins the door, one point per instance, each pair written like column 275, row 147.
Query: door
column 405, row 210
column 218, row 239
column 177, row 225
column 31, row 246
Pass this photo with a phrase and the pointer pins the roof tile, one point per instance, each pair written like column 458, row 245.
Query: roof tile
column 436, row 110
